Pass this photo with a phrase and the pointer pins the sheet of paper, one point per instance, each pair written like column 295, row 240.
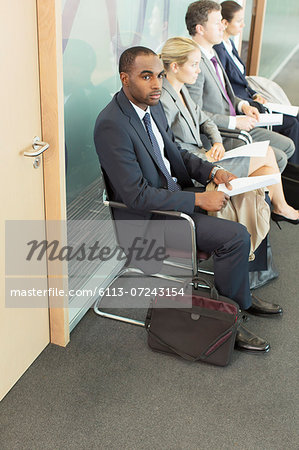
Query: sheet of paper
column 269, row 119
column 255, row 149
column 247, row 184
column 284, row 109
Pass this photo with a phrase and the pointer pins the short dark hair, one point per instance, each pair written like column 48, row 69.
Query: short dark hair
column 128, row 57
column 198, row 14
column 229, row 9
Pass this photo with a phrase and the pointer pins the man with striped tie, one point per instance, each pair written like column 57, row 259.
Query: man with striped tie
column 146, row 170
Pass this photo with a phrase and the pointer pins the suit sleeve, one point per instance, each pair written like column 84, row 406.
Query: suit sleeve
column 209, row 128
column 252, row 92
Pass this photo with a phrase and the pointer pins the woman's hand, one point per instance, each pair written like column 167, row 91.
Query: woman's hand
column 216, row 152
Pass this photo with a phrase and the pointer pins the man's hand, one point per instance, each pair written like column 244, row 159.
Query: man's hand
column 223, row 176
column 245, row 123
column 260, row 99
column 216, row 152
column 211, row 201
column 251, row 111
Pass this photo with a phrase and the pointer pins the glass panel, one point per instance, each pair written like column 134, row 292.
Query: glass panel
column 247, row 19
column 281, row 35
column 95, row 32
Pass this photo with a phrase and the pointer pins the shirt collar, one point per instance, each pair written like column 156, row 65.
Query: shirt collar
column 228, row 46
column 208, row 54
column 141, row 113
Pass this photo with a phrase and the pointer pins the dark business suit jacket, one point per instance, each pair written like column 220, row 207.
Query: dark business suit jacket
column 135, row 179
column 290, row 125
column 127, row 157
column 128, row 161
column 236, row 77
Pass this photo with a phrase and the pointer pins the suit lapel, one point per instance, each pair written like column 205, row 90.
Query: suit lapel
column 235, row 52
column 213, row 73
column 173, row 156
column 228, row 86
column 168, row 145
column 193, row 124
column 135, row 121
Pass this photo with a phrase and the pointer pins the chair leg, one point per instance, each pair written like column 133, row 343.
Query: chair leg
column 127, row 270
column 207, row 272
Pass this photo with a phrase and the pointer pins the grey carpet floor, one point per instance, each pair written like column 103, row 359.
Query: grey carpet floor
column 108, row 390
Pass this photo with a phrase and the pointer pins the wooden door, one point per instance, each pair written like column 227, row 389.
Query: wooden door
column 24, row 331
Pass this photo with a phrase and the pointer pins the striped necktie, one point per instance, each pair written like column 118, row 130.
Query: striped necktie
column 171, row 184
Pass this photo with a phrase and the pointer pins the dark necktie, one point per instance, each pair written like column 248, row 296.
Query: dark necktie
column 171, row 184
column 231, row 107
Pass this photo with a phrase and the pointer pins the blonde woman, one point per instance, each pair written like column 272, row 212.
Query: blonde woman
column 181, row 57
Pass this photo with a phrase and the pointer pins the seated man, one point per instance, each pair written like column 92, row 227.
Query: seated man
column 212, row 89
column 147, row 170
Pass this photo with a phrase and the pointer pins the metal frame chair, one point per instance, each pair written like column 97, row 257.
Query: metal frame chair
column 236, row 134
column 195, row 257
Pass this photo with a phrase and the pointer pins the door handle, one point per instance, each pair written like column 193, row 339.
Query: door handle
column 36, row 144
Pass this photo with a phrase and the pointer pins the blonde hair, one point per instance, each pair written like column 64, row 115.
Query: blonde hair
column 177, row 50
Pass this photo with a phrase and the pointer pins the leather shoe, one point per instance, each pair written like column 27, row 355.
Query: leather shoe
column 249, row 342
column 261, row 308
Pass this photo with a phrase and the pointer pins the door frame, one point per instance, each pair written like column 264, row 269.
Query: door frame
column 256, row 36
column 49, row 25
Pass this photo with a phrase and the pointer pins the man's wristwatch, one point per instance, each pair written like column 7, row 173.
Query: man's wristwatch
column 213, row 172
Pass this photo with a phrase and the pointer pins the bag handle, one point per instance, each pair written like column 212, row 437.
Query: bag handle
column 195, row 280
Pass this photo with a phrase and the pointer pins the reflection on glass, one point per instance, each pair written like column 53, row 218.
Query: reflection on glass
column 83, row 100
column 95, row 33
column 280, row 36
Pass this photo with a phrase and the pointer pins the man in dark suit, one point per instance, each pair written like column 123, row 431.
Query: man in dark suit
column 212, row 89
column 148, row 171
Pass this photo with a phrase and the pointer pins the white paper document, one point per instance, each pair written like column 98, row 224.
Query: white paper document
column 246, row 184
column 255, row 149
column 284, row 109
column 269, row 119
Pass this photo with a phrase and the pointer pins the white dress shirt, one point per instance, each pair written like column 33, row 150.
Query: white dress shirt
column 141, row 113
column 229, row 48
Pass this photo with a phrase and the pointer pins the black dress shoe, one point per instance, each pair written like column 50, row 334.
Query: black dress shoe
column 260, row 308
column 249, row 342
